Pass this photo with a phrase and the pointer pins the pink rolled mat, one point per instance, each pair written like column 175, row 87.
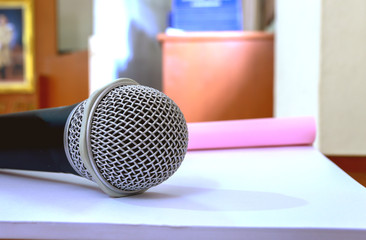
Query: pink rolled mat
column 252, row 133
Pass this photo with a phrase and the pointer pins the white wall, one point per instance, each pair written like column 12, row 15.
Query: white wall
column 297, row 48
column 320, row 69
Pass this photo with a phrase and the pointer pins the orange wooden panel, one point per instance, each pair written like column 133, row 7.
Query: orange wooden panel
column 219, row 76
column 17, row 102
column 67, row 81
column 62, row 78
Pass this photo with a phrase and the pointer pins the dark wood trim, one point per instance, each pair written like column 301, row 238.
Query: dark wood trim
column 350, row 163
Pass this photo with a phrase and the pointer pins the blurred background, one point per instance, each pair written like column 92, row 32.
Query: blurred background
column 218, row 59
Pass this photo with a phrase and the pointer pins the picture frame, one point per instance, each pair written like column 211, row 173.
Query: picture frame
column 17, row 46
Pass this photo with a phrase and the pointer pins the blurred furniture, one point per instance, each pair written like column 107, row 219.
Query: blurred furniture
column 207, row 15
column 61, row 79
column 219, row 75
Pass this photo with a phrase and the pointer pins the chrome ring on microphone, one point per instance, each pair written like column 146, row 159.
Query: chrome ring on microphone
column 85, row 149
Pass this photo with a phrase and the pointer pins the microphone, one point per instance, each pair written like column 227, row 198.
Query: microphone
column 125, row 137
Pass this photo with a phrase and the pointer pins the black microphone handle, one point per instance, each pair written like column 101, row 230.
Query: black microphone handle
column 33, row 140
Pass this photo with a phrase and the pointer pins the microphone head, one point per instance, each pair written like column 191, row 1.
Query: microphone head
column 126, row 137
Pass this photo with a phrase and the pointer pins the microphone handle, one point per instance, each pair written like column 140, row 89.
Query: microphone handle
column 33, row 140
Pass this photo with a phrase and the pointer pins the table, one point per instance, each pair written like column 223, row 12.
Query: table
column 289, row 192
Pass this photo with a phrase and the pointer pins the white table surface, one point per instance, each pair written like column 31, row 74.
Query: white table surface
column 254, row 193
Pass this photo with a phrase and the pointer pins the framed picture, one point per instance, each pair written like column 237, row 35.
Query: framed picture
column 16, row 46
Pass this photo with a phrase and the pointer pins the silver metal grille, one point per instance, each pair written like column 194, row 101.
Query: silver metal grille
column 73, row 139
column 138, row 137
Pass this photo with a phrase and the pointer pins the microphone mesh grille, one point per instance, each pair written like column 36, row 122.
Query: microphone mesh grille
column 73, row 140
column 138, row 137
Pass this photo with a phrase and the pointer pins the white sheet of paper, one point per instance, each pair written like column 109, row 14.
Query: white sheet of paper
column 256, row 193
